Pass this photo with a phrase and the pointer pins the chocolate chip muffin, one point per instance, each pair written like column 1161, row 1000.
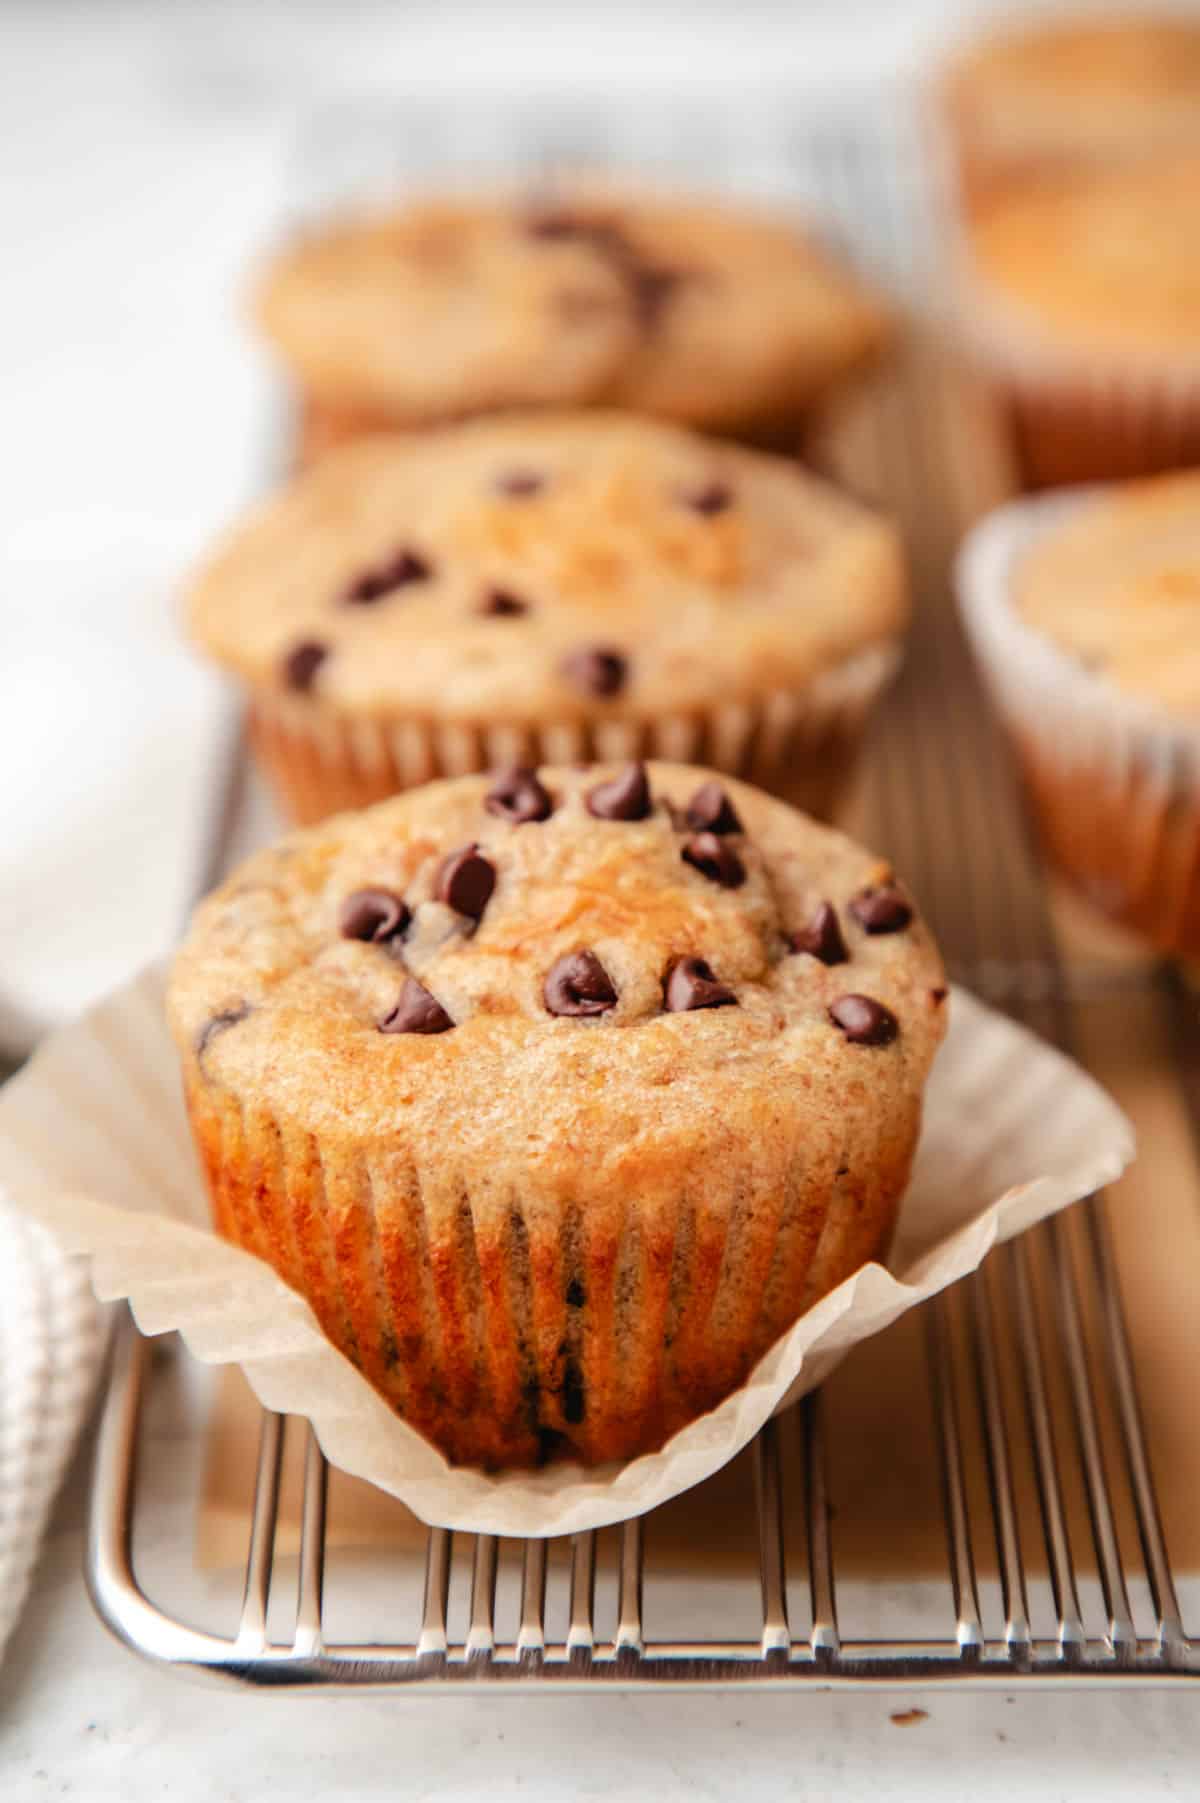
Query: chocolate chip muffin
column 559, row 1094
column 552, row 588
column 689, row 310
column 1067, row 93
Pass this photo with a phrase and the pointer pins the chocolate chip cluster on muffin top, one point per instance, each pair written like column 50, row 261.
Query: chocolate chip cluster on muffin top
column 535, row 569
column 445, row 308
column 570, row 1006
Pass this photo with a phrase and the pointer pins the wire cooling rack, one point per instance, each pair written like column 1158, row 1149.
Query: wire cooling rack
column 1031, row 1390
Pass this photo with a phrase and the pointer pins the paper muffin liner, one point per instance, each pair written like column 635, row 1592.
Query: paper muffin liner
column 1115, row 784
column 509, row 1328
column 1077, row 415
column 94, row 1142
column 320, row 761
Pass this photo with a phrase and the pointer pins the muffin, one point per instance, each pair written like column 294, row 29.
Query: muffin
column 687, row 310
column 559, row 1094
column 552, row 588
column 1081, row 293
column 1060, row 93
column 1085, row 613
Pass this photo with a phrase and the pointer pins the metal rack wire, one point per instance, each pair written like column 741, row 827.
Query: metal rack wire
column 1031, row 1376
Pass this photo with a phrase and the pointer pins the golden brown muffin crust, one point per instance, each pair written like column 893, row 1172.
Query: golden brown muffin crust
column 1103, row 261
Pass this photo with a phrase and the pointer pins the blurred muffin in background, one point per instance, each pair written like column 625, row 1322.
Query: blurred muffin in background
column 553, row 588
column 1080, row 292
column 1047, row 93
column 692, row 311
column 1084, row 610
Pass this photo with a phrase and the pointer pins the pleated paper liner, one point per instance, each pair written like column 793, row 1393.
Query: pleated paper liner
column 94, row 1143
column 1078, row 415
column 319, row 761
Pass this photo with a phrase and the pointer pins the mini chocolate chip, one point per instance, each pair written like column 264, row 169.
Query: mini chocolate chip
column 398, row 572
column 625, row 797
column 578, row 984
column 715, row 860
column 882, row 910
column 576, row 1294
column 822, row 937
column 596, row 669
column 711, row 811
column 375, row 915
column 465, row 881
column 517, row 485
column 864, row 1021
column 219, row 1023
column 709, row 499
column 649, row 290
column 692, row 984
column 302, row 662
column 518, row 796
column 938, row 996
column 552, row 225
column 501, row 603
column 416, row 1012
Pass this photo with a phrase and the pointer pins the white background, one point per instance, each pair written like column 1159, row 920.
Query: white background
column 141, row 171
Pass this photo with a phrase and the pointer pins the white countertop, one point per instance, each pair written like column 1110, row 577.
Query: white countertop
column 81, row 1717
column 142, row 169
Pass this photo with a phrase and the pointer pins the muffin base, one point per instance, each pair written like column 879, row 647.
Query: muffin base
column 512, row 1330
column 320, row 762
column 1114, row 786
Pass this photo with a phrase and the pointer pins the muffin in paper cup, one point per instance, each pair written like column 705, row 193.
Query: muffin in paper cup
column 553, row 589
column 559, row 1096
column 1101, row 695
column 1079, row 293
column 452, row 306
column 1039, row 94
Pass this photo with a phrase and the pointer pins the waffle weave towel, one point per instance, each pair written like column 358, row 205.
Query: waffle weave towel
column 51, row 1344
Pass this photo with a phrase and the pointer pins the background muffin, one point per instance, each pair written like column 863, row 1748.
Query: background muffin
column 692, row 311
column 1058, row 92
column 542, row 588
column 1081, row 293
column 1085, row 611
column 559, row 1096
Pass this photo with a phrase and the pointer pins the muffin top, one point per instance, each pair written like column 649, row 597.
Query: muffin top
column 1117, row 586
column 1085, row 84
column 1106, row 259
column 557, row 567
column 695, row 311
column 564, row 966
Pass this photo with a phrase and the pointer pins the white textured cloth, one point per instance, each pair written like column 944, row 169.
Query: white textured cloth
column 51, row 1340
